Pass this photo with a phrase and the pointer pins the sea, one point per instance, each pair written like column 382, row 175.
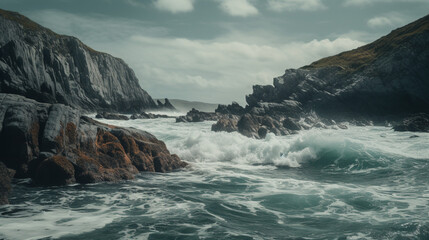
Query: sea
column 360, row 183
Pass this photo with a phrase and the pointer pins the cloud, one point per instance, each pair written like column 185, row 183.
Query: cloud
column 219, row 70
column 370, row 2
column 294, row 5
column 175, row 6
column 389, row 20
column 238, row 8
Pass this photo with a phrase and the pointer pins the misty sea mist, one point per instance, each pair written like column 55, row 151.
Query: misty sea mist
column 360, row 183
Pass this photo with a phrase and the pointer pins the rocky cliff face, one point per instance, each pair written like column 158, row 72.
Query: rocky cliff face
column 54, row 145
column 385, row 80
column 40, row 64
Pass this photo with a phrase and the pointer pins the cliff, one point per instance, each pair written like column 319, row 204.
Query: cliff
column 42, row 65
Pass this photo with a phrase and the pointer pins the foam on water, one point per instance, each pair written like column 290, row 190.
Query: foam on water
column 360, row 183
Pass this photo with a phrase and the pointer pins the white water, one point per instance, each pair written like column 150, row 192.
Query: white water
column 360, row 183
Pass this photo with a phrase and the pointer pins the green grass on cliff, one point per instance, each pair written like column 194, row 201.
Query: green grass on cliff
column 354, row 60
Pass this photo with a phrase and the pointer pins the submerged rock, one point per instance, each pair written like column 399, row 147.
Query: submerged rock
column 54, row 145
column 415, row 123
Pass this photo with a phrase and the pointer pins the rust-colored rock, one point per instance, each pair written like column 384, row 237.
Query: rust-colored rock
column 54, row 145
column 57, row 170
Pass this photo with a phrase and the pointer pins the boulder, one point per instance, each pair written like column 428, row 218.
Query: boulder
column 248, row 125
column 54, row 145
column 225, row 124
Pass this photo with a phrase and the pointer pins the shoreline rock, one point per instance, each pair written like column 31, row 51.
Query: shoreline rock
column 144, row 115
column 380, row 82
column 54, row 145
column 198, row 116
column 111, row 116
column 415, row 123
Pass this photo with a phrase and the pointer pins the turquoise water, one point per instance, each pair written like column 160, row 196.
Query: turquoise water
column 360, row 183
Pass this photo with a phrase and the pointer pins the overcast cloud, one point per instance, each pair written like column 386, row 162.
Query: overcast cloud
column 215, row 50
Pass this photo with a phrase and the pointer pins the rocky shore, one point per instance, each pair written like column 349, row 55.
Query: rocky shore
column 379, row 83
column 55, row 145
column 46, row 81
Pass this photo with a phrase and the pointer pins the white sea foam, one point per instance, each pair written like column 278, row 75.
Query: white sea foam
column 282, row 181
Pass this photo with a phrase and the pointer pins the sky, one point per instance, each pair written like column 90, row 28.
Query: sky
column 215, row 50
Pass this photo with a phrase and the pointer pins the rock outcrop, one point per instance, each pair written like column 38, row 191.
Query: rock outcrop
column 382, row 81
column 166, row 105
column 54, row 145
column 5, row 180
column 42, row 65
column 111, row 116
column 415, row 123
column 197, row 116
column 144, row 115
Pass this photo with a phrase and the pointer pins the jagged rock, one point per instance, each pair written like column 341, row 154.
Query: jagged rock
column 233, row 108
column 112, row 116
column 415, row 123
column 379, row 82
column 198, row 116
column 166, row 105
column 144, row 115
column 54, row 145
column 225, row 124
column 248, row 125
column 40, row 64
column 291, row 124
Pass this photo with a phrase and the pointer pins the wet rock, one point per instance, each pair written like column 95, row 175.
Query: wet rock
column 5, row 181
column 291, row 124
column 416, row 123
column 144, row 115
column 56, row 170
column 55, row 145
column 248, row 125
column 234, row 109
column 111, row 116
column 226, row 125
column 197, row 116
